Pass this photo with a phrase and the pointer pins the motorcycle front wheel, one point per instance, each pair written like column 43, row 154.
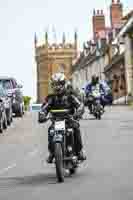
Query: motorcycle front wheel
column 59, row 162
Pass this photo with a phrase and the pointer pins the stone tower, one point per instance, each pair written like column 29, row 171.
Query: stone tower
column 52, row 58
column 98, row 22
column 116, row 14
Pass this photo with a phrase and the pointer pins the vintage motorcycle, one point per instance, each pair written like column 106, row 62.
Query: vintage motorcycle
column 97, row 108
column 62, row 135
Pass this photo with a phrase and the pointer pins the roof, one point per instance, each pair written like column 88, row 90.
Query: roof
column 126, row 17
column 84, row 61
column 6, row 77
column 115, row 60
column 127, row 27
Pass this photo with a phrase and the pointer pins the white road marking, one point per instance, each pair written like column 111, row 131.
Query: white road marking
column 33, row 153
column 7, row 168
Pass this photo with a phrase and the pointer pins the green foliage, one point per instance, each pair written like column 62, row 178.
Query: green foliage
column 130, row 99
column 27, row 100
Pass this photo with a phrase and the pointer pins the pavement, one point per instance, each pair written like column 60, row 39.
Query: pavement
column 106, row 175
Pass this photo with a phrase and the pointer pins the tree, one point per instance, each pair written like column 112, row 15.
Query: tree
column 27, row 100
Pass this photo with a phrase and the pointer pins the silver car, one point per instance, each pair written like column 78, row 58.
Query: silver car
column 7, row 103
column 14, row 91
column 4, row 103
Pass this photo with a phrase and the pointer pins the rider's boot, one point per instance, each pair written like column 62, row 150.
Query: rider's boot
column 50, row 158
column 81, row 156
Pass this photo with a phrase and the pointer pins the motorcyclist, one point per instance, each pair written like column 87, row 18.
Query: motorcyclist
column 95, row 84
column 61, row 99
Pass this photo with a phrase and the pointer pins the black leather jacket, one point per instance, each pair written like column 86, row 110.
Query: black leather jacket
column 64, row 101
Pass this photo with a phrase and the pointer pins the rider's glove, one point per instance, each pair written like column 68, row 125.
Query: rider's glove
column 76, row 116
column 42, row 117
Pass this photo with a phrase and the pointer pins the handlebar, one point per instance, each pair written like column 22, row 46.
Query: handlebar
column 68, row 117
column 52, row 115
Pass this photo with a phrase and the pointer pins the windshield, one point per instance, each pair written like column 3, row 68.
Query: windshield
column 6, row 84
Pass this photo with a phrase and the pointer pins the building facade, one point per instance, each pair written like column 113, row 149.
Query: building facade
column 110, row 54
column 89, row 64
column 120, row 68
column 52, row 58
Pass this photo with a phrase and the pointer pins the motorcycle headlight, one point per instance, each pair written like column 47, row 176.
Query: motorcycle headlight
column 90, row 98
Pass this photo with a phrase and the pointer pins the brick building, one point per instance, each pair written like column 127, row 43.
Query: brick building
column 100, row 30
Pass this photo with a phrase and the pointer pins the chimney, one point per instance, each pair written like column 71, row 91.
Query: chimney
column 46, row 38
column 63, row 39
column 76, row 40
column 116, row 14
column 35, row 40
column 98, row 22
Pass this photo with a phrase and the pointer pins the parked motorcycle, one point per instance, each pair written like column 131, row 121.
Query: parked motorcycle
column 62, row 135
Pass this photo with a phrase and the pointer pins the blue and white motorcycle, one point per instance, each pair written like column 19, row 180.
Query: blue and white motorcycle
column 97, row 108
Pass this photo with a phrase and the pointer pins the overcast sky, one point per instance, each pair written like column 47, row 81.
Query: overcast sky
column 19, row 20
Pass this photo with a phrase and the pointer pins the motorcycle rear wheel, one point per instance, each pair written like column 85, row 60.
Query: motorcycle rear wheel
column 59, row 162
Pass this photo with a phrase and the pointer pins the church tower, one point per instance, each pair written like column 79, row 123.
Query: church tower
column 52, row 58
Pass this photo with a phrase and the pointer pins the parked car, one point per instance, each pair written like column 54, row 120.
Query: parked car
column 3, row 110
column 14, row 91
column 7, row 104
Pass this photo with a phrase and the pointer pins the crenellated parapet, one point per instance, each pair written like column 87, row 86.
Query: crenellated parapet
column 47, row 46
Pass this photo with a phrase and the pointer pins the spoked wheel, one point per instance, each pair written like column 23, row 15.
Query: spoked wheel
column 59, row 162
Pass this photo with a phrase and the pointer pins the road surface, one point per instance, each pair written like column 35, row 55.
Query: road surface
column 106, row 175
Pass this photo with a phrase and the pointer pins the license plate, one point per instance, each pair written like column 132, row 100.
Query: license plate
column 60, row 125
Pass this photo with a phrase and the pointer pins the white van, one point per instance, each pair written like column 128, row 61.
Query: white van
column 35, row 107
